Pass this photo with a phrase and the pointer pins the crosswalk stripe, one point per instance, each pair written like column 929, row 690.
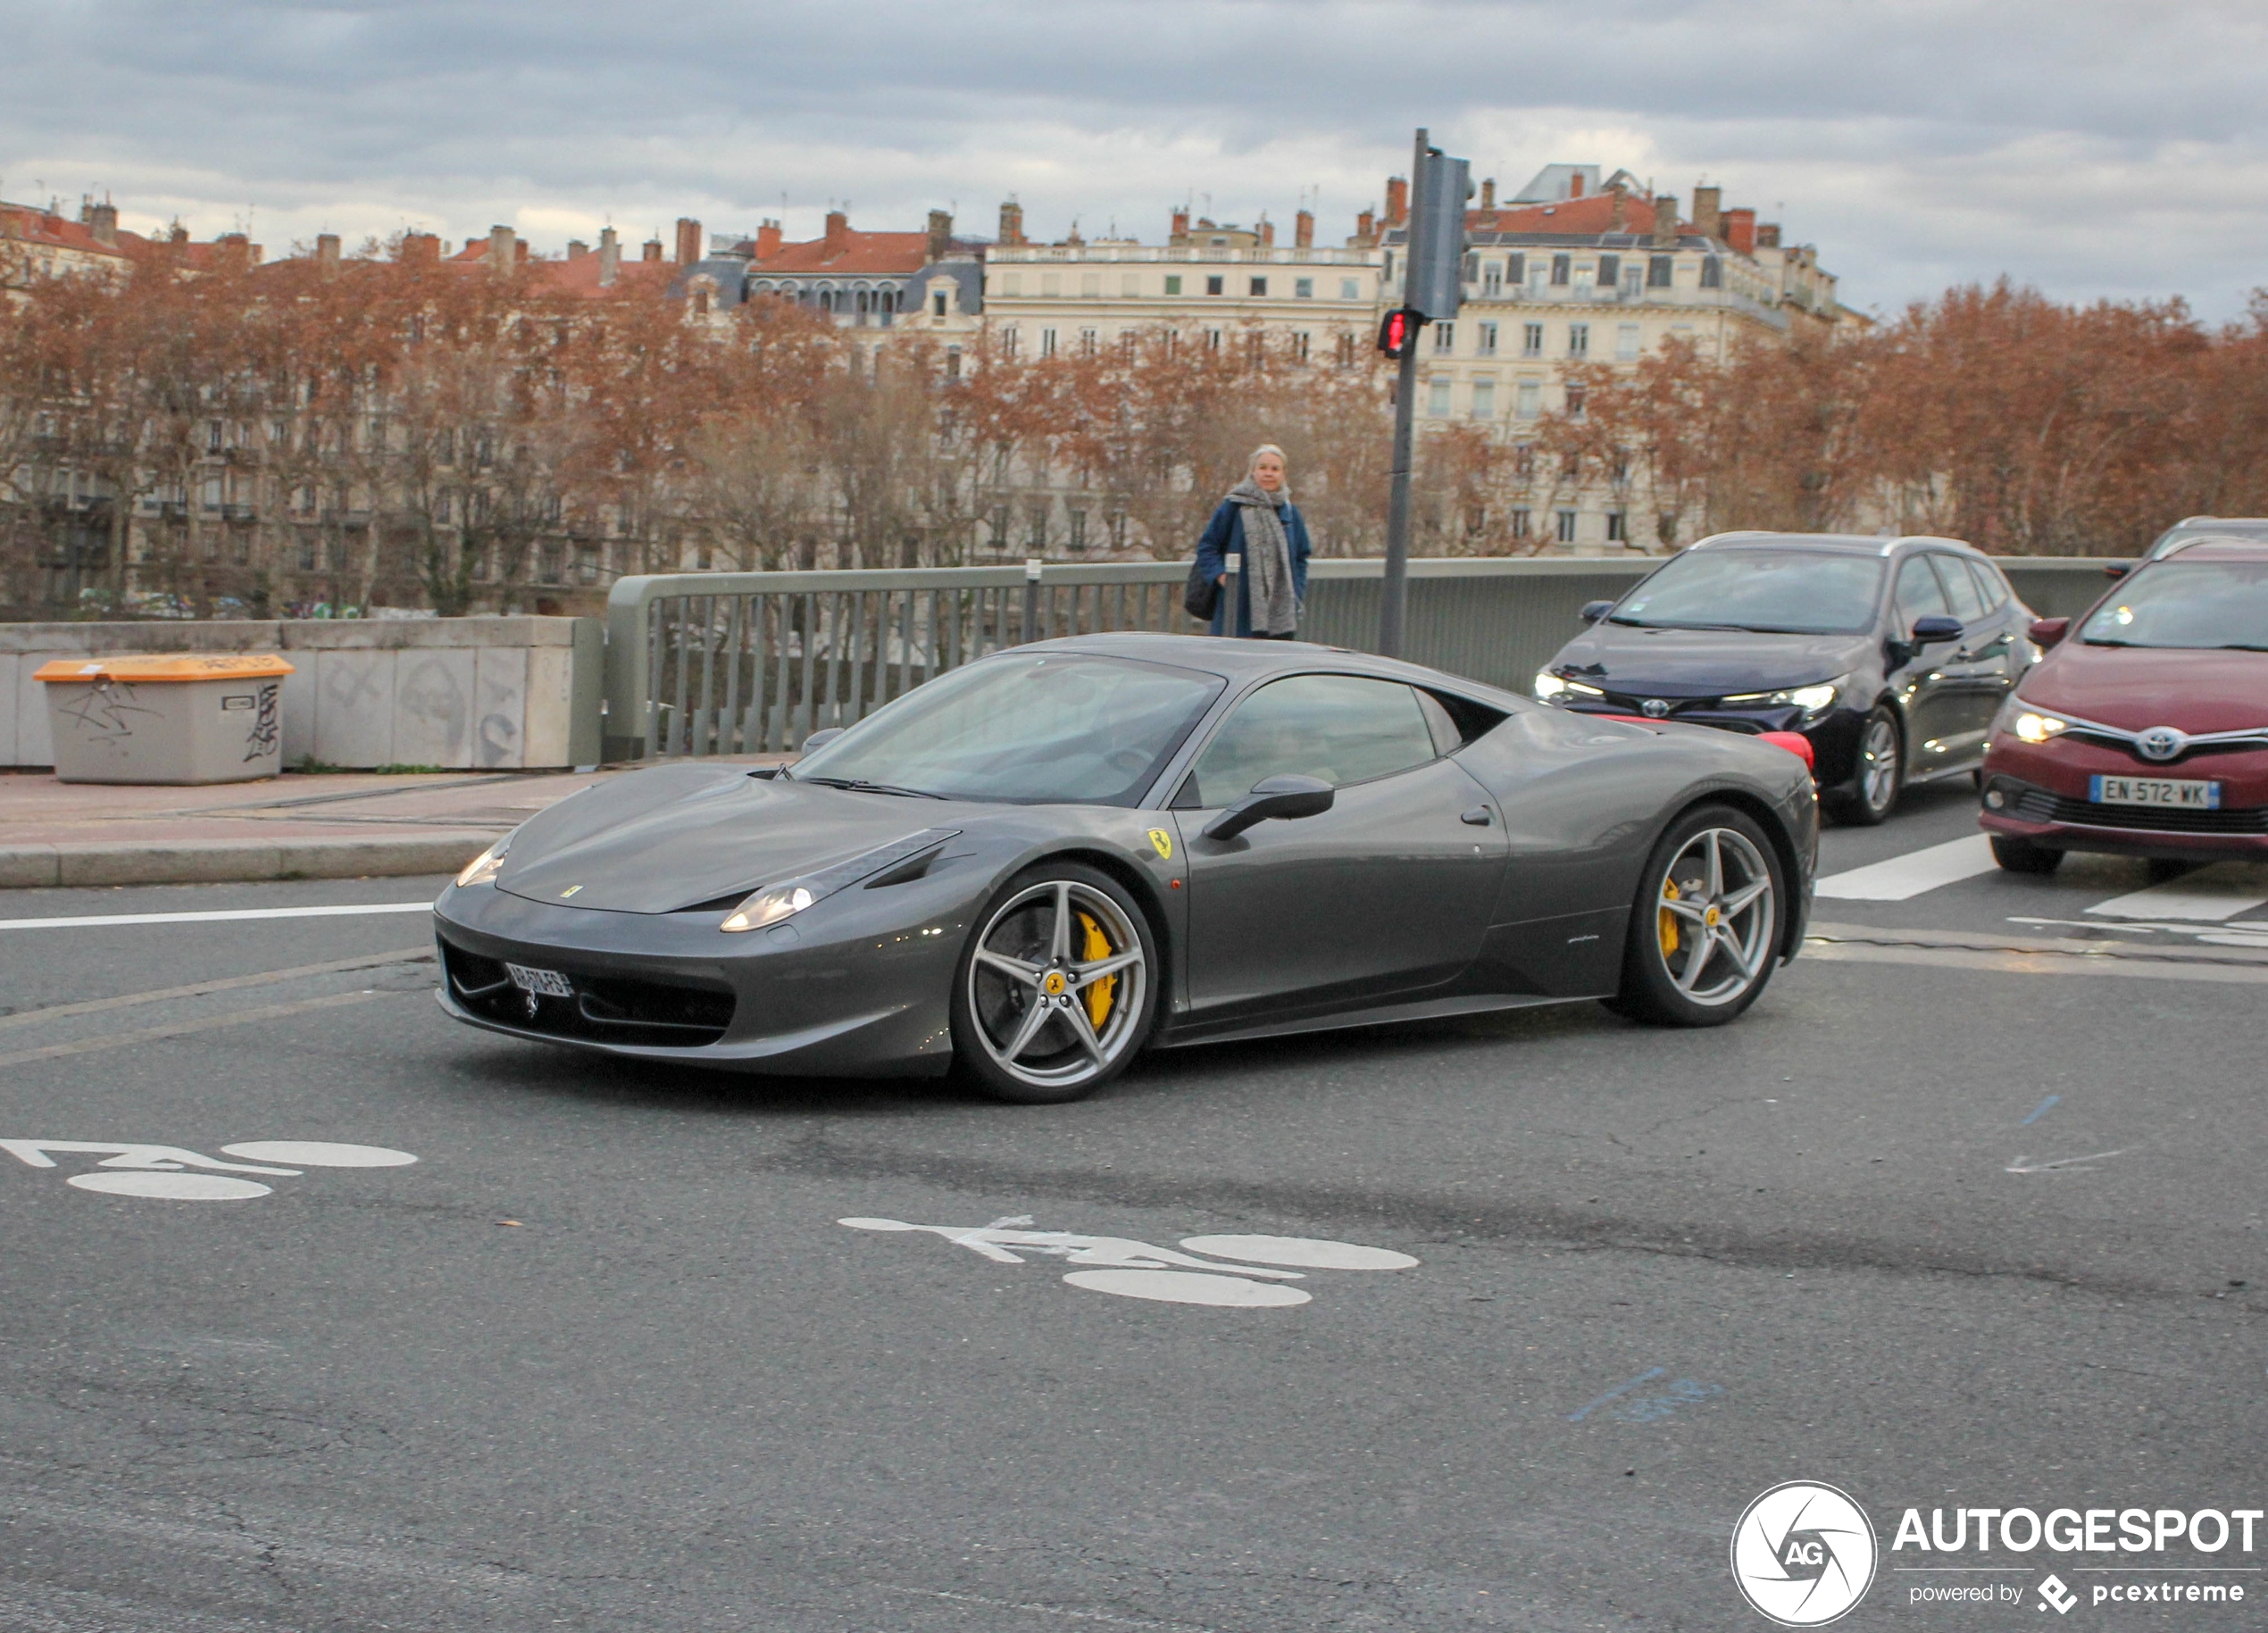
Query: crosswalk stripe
column 2221, row 891
column 1901, row 877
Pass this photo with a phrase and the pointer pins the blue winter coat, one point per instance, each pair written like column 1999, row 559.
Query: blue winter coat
column 1224, row 538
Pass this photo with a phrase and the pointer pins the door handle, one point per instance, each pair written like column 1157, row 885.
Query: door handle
column 1477, row 817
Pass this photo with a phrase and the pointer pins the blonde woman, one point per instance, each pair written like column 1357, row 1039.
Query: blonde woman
column 1258, row 521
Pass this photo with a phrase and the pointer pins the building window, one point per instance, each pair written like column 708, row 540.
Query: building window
column 1625, row 342
column 1214, row 286
column 1436, row 402
column 936, row 304
column 1346, row 350
column 1086, row 342
column 1563, row 270
column 1520, row 522
column 1078, row 539
column 1174, row 283
column 1567, row 527
column 1303, row 289
column 1445, row 337
column 1657, row 271
column 1531, row 399
column 1212, row 338
column 952, row 363
column 996, row 527
column 1617, row 528
column 1711, row 272
column 1492, row 281
column 1516, row 271
column 1486, row 333
column 1299, row 343
column 1575, row 399
column 1046, row 343
column 1259, row 285
column 1050, row 283
column 1349, row 289
column 1010, row 341
column 1532, row 339
column 1117, row 524
column 1609, row 271
column 1484, row 399
column 1036, row 528
column 1579, row 339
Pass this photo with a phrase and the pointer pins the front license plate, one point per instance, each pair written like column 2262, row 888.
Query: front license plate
column 544, row 983
column 2181, row 796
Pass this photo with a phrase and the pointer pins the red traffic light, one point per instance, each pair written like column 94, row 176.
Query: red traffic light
column 1398, row 332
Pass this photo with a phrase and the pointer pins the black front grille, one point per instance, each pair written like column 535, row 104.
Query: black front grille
column 2038, row 805
column 604, row 1009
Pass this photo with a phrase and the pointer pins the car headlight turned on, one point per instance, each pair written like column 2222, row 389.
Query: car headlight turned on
column 2033, row 726
column 483, row 868
column 1556, row 688
column 769, row 906
column 1810, row 699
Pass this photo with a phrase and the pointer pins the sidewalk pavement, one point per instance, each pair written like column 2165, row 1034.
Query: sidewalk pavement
column 329, row 825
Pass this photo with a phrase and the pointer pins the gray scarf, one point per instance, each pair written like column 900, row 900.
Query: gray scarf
column 1267, row 559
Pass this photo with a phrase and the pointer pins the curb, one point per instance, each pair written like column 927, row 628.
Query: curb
column 210, row 862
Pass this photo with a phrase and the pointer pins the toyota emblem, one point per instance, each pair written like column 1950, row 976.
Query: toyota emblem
column 2161, row 743
column 1655, row 708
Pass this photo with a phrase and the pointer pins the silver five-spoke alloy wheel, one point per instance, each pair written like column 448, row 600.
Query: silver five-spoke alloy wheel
column 1058, row 985
column 1878, row 767
column 1718, row 920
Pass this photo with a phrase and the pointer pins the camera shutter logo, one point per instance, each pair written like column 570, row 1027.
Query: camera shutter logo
column 1803, row 1554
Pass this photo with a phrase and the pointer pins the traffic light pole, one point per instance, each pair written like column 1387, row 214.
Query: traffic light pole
column 1393, row 598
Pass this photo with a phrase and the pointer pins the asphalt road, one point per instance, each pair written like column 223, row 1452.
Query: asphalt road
column 1941, row 1222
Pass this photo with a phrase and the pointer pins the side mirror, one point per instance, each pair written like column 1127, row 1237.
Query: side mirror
column 2046, row 631
column 1935, row 632
column 1593, row 611
column 822, row 736
column 2117, row 570
column 1273, row 799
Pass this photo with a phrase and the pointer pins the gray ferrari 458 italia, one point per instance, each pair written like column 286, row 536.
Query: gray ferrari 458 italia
column 1034, row 867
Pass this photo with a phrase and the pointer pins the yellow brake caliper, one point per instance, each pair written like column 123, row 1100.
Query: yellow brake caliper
column 1665, row 927
column 1099, row 995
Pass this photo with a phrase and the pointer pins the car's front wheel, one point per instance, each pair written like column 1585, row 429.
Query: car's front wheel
column 2020, row 855
column 1056, row 988
column 1871, row 793
column 1704, row 932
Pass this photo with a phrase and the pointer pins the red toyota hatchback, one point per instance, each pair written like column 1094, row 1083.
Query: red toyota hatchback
column 2145, row 731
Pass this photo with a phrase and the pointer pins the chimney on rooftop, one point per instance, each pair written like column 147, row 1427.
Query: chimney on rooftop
column 1619, row 221
column 420, row 249
column 103, row 221
column 1768, row 235
column 1365, row 230
column 502, row 248
column 327, row 251
column 767, row 240
column 940, row 234
column 1181, row 233
column 1665, row 220
column 1575, row 185
column 521, row 252
column 610, row 257
column 1488, row 194
column 1740, row 230
column 689, row 241
column 838, row 238
column 1267, row 232
column 1303, row 229
column 577, row 249
column 1398, row 201
column 1708, row 220
column 177, row 234
column 1012, row 222
column 651, row 250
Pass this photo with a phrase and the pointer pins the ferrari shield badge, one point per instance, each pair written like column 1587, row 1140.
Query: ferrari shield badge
column 1162, row 843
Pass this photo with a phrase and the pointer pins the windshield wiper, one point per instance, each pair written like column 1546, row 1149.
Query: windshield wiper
column 2240, row 646
column 1735, row 628
column 859, row 785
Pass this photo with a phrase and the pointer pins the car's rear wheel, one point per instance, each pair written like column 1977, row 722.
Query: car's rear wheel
column 1871, row 793
column 2018, row 856
column 1056, row 988
column 1705, row 931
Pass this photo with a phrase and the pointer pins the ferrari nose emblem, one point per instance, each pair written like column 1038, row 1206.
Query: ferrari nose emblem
column 1162, row 843
column 569, row 891
column 1052, row 983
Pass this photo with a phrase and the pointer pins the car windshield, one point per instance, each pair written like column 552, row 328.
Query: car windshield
column 2186, row 604
column 2173, row 536
column 1790, row 591
column 1023, row 729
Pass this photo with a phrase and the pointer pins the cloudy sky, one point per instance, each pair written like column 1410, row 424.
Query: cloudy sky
column 2095, row 148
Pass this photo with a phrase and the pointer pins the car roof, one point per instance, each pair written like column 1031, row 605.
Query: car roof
column 1841, row 544
column 1244, row 660
column 2186, row 532
column 2218, row 547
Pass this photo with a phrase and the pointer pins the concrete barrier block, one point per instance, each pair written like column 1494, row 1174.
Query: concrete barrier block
column 299, row 714
column 355, row 708
column 12, row 685
column 433, row 704
column 551, row 705
column 500, row 708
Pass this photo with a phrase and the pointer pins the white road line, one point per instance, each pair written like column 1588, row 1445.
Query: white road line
column 97, row 921
column 1901, row 877
column 2221, row 891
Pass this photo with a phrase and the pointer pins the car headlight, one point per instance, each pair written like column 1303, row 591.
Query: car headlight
column 1551, row 689
column 1810, row 699
column 483, row 868
column 769, row 906
column 2033, row 726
